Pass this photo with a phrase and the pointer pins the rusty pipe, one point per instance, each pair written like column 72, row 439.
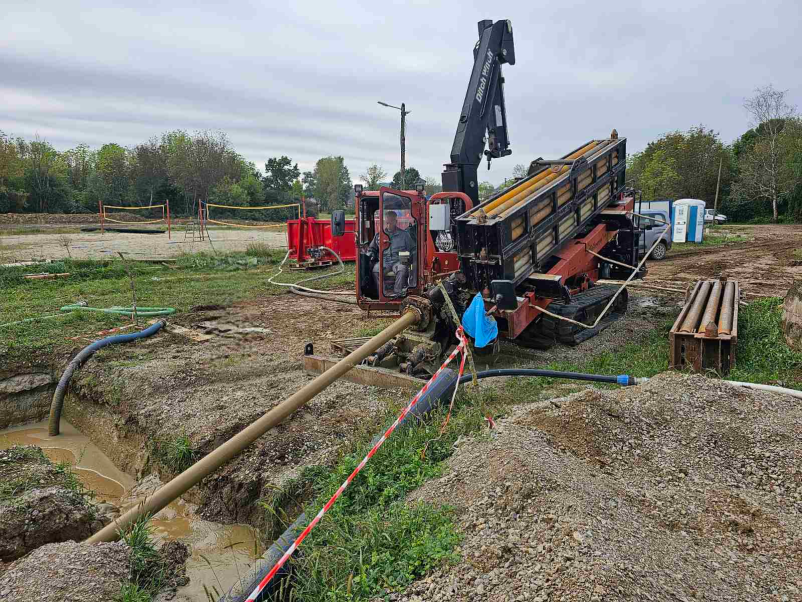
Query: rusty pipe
column 695, row 311
column 727, row 309
column 231, row 448
column 711, row 309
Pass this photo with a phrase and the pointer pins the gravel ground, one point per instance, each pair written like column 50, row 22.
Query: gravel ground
column 67, row 572
column 681, row 489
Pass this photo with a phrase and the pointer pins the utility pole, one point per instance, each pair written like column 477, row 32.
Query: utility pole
column 404, row 113
column 715, row 201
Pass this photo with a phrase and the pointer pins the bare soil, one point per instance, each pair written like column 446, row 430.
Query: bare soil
column 247, row 359
column 94, row 245
column 684, row 488
column 766, row 265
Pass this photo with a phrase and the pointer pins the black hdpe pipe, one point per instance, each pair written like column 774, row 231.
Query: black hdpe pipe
column 58, row 397
column 441, row 390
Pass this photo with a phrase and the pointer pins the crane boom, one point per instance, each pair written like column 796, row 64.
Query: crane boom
column 483, row 120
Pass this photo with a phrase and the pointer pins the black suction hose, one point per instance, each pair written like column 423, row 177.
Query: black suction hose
column 621, row 379
column 58, row 397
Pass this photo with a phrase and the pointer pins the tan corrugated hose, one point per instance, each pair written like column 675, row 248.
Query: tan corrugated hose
column 231, row 448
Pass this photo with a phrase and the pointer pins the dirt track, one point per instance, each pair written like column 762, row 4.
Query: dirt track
column 766, row 265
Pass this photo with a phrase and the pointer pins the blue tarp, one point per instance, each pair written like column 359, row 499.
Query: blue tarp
column 483, row 329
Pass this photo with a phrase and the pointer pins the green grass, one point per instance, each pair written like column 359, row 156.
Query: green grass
column 24, row 231
column 175, row 453
column 762, row 356
column 199, row 279
column 147, row 568
column 15, row 482
column 371, row 541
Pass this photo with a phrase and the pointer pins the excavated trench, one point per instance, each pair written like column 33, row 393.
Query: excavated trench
column 220, row 553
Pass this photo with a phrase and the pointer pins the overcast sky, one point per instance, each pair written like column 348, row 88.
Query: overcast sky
column 302, row 78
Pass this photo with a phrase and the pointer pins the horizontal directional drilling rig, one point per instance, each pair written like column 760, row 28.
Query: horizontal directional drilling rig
column 533, row 251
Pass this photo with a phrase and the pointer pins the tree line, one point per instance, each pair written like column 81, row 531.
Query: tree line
column 761, row 171
column 177, row 166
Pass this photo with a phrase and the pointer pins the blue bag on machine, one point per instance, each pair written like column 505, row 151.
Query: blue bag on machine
column 483, row 329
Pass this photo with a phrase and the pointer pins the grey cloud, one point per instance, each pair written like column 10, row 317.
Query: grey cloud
column 303, row 78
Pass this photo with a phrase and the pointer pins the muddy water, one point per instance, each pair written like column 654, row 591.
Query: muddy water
column 220, row 553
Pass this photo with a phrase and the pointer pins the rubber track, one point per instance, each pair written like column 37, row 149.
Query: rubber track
column 571, row 334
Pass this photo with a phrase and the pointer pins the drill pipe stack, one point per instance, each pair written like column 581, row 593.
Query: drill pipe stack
column 515, row 232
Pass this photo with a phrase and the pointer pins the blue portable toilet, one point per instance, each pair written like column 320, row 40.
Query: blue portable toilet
column 688, row 220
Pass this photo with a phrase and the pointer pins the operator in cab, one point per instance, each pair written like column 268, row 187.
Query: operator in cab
column 400, row 241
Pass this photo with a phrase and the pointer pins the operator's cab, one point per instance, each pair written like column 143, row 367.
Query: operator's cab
column 388, row 245
column 405, row 242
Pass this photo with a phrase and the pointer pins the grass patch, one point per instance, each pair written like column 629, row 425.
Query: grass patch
column 175, row 453
column 260, row 249
column 371, row 542
column 200, row 279
column 25, row 231
column 148, row 568
column 762, row 355
column 23, row 468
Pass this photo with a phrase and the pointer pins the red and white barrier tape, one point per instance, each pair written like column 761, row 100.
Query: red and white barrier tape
column 291, row 550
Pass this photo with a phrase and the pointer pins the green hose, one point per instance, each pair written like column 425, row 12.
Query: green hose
column 145, row 312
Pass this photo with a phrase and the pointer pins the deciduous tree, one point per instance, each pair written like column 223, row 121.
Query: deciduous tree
column 373, row 177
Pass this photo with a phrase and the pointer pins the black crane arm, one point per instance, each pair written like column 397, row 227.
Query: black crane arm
column 484, row 116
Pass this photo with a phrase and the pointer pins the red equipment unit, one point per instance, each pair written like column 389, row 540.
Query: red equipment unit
column 307, row 236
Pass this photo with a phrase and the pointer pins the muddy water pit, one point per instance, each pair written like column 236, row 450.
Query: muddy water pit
column 220, row 553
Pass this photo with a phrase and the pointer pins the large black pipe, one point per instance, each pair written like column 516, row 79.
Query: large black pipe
column 58, row 397
column 440, row 390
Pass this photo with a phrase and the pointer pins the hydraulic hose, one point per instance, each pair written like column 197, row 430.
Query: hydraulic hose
column 621, row 379
column 58, row 397
column 303, row 291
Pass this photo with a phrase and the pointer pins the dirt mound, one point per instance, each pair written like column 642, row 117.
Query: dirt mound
column 67, row 571
column 679, row 489
column 38, row 504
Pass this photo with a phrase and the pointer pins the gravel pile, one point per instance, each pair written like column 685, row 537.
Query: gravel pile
column 681, row 489
column 69, row 571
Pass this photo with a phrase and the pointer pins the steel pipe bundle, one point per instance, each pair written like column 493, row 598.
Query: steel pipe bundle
column 705, row 334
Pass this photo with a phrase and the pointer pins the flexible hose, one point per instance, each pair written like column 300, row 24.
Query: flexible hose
column 621, row 379
column 296, row 288
column 145, row 312
column 58, row 397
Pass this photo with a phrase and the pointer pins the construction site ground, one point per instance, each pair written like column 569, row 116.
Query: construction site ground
column 71, row 242
column 566, row 498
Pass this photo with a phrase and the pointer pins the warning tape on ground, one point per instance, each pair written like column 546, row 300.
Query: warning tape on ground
column 291, row 550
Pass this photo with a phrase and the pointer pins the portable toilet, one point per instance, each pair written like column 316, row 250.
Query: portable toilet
column 688, row 220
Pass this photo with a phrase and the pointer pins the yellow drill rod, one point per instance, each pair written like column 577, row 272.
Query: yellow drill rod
column 525, row 187
column 516, row 201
